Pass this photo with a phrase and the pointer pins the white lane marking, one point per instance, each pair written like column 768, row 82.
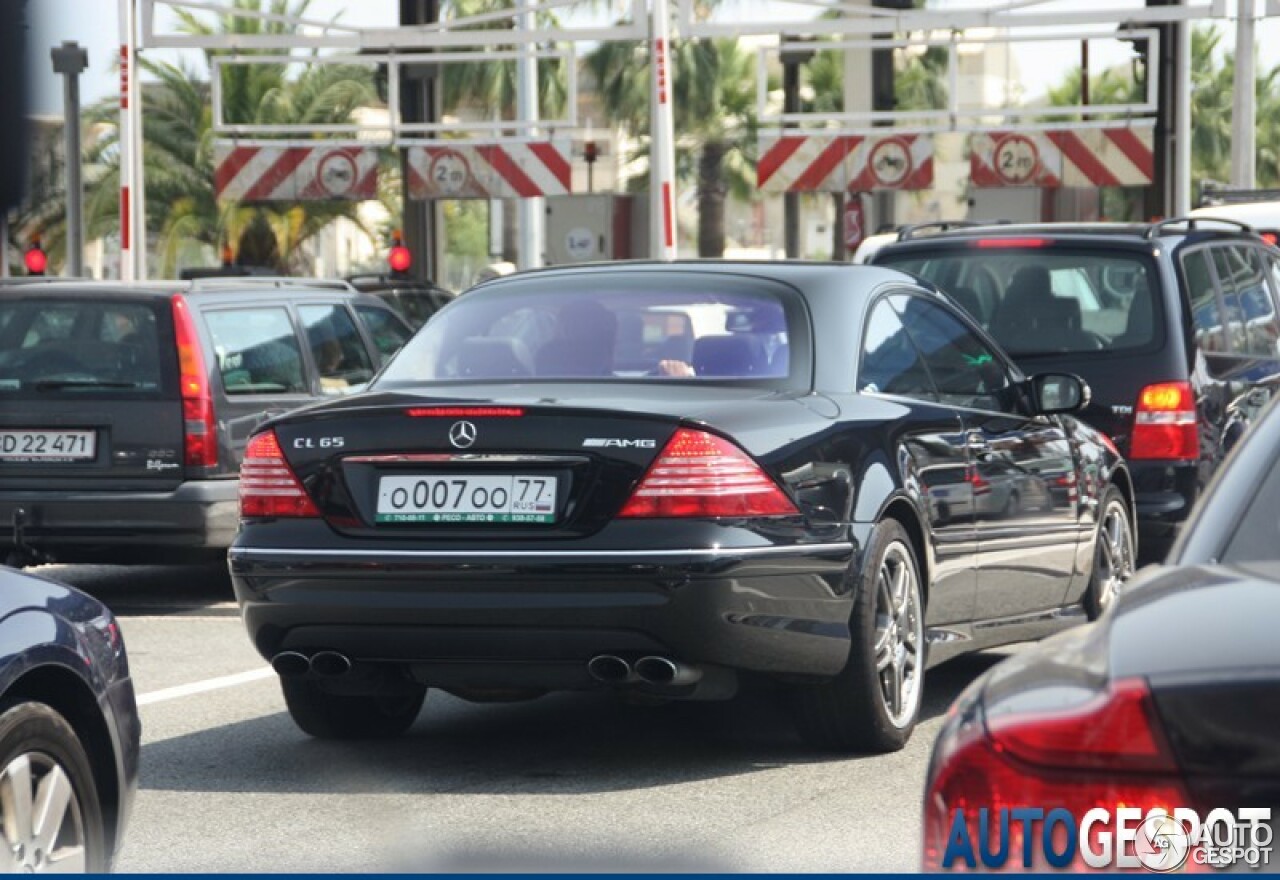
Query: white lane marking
column 209, row 684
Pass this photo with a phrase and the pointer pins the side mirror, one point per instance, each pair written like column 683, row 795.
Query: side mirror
column 1058, row 393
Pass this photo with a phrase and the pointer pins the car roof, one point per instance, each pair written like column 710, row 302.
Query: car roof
column 795, row 272
column 1136, row 234
column 165, row 288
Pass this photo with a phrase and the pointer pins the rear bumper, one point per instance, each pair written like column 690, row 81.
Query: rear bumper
column 1165, row 493
column 536, row 618
column 199, row 516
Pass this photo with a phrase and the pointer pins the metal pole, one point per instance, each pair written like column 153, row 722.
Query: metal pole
column 139, row 146
column 70, row 61
column 791, row 200
column 4, row 243
column 531, row 209
column 1182, row 123
column 126, row 141
column 1244, row 104
column 662, row 147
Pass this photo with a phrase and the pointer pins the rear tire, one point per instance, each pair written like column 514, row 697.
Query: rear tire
column 1113, row 553
column 326, row 715
column 858, row 710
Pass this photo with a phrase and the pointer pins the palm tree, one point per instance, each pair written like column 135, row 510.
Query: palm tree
column 713, row 103
column 178, row 154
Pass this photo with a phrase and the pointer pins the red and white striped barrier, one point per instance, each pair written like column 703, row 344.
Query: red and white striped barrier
column 1085, row 157
column 268, row 173
column 844, row 163
column 489, row 171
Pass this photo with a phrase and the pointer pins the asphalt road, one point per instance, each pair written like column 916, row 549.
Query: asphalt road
column 565, row 782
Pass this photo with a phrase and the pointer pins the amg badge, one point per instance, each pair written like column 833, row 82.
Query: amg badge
column 618, row 443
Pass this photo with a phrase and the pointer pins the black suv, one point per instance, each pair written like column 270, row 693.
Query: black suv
column 125, row 409
column 1172, row 324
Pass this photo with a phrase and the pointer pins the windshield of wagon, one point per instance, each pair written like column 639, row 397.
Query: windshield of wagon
column 1040, row 301
column 607, row 329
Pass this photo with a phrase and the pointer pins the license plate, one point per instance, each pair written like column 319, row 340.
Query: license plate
column 48, row 446
column 467, row 498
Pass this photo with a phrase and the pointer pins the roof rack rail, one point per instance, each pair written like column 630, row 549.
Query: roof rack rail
column 1213, row 192
column 908, row 232
column 241, row 282
column 1192, row 223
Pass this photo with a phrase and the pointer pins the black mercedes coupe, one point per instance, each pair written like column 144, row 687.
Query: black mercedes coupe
column 664, row 479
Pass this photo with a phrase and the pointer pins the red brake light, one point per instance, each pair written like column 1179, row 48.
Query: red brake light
column 1270, row 238
column 199, row 433
column 1012, row 242
column 268, row 487
column 465, row 412
column 977, row 482
column 1164, row 423
column 1111, row 752
column 701, row 475
column 1116, row 730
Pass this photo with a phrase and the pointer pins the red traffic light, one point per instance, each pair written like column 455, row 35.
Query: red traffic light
column 400, row 259
column 35, row 260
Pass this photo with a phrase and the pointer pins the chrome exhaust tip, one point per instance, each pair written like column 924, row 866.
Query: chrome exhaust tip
column 609, row 669
column 330, row 663
column 663, row 672
column 290, row 664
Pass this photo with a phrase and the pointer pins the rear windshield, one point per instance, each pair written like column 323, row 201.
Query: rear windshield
column 79, row 347
column 608, row 328
column 1036, row 301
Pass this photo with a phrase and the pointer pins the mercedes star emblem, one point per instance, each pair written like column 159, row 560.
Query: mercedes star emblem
column 462, row 434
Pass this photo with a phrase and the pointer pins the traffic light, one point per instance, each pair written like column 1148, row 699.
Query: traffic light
column 399, row 258
column 35, row 258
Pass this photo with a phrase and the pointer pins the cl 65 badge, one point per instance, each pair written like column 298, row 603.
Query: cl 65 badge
column 319, row 442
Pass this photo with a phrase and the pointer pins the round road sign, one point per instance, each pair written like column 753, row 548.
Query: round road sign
column 336, row 173
column 890, row 162
column 1016, row 159
column 449, row 172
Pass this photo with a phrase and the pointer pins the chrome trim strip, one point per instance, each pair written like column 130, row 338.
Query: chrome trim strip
column 481, row 555
column 464, row 457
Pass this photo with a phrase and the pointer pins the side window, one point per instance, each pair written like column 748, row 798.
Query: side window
column 336, row 348
column 257, row 351
column 388, row 333
column 1249, row 303
column 1206, row 310
column 890, row 362
column 966, row 371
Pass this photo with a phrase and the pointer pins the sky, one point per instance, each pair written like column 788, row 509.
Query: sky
column 94, row 24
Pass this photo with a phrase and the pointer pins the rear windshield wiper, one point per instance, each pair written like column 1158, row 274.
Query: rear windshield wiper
column 59, row 384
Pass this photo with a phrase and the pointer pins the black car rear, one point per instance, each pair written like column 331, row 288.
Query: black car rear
column 1173, row 326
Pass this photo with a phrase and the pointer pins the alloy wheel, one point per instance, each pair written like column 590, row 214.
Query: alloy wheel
column 44, row 830
column 1115, row 553
column 899, row 635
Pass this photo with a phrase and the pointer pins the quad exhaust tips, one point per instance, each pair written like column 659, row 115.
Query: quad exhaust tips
column 667, row 673
column 657, row 671
column 609, row 669
column 291, row 664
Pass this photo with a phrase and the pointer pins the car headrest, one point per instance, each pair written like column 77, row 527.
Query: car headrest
column 729, row 355
column 493, row 357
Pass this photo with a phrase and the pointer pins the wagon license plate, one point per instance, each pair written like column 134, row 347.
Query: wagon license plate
column 462, row 498
column 47, row 446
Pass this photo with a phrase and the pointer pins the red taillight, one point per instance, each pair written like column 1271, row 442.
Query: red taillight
column 1012, row 242
column 1109, row 753
column 199, row 431
column 977, row 482
column 1164, row 423
column 701, row 475
column 465, row 412
column 268, row 486
column 1270, row 238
